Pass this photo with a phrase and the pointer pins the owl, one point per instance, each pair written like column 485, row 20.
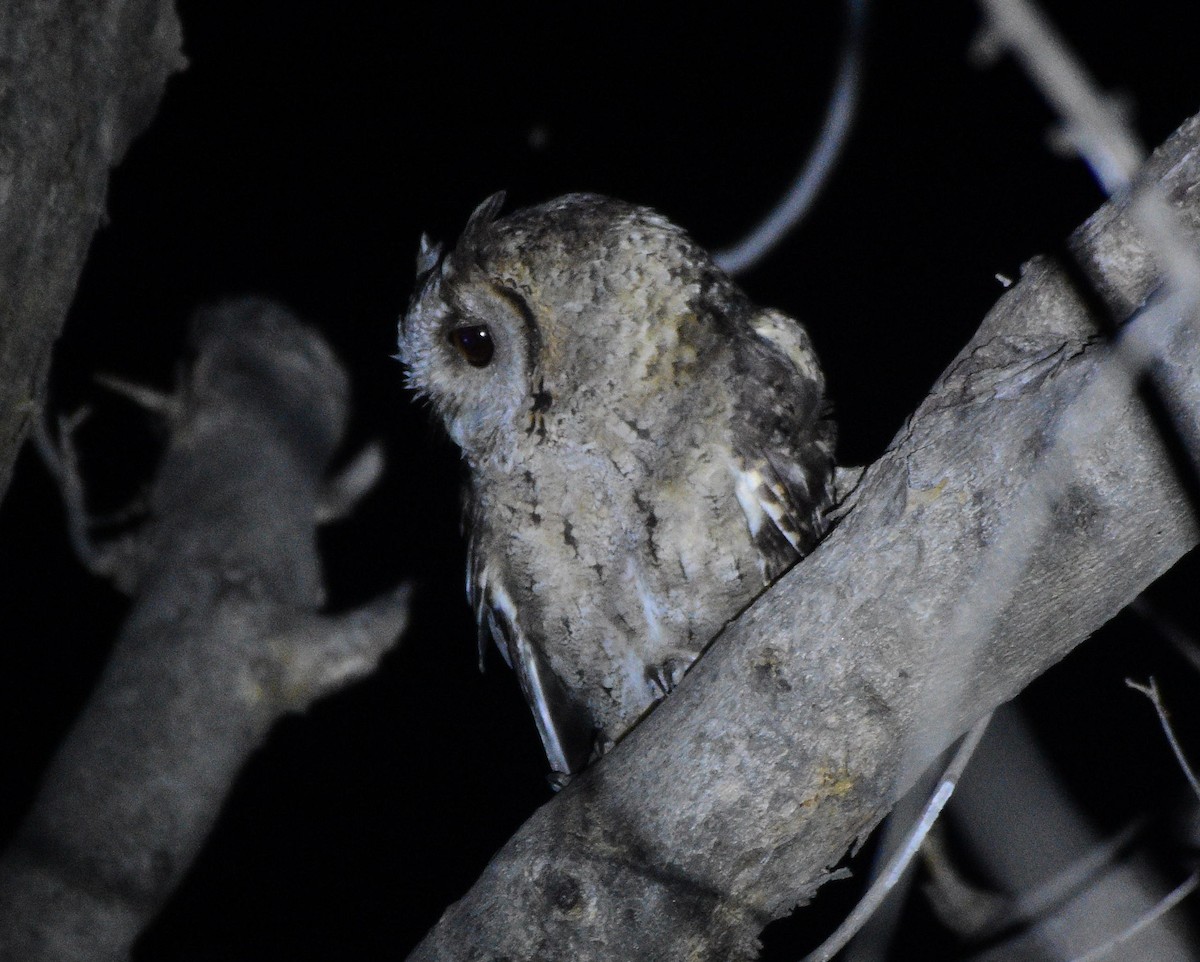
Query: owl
column 645, row 448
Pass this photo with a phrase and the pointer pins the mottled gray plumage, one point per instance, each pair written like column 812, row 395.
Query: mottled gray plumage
column 646, row 448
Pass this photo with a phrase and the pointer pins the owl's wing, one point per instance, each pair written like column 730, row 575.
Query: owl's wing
column 566, row 731
column 783, row 439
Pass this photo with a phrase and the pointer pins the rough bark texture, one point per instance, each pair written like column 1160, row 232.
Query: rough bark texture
column 814, row 711
column 224, row 637
column 78, row 81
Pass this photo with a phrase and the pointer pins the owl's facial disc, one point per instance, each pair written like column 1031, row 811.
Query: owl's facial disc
column 470, row 344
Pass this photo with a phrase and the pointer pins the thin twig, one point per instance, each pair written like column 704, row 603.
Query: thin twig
column 1151, row 691
column 61, row 459
column 798, row 199
column 1168, row 902
column 899, row 862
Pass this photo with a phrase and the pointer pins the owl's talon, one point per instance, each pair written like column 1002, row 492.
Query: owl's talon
column 665, row 676
column 601, row 746
column 658, row 680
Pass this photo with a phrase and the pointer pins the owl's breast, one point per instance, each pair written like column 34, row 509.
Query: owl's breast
column 616, row 570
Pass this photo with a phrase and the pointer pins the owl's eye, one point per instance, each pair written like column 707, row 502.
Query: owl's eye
column 474, row 343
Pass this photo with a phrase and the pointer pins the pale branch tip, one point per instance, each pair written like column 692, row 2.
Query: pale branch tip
column 1150, row 690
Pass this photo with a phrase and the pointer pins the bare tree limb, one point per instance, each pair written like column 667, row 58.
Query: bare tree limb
column 78, row 82
column 784, row 744
column 225, row 636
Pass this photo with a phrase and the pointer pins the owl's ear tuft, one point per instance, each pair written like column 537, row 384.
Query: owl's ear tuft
column 428, row 255
column 482, row 217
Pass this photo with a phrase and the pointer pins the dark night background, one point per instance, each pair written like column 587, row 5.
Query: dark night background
column 302, row 154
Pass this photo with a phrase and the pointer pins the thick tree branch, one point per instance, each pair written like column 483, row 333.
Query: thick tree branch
column 224, row 637
column 78, row 81
column 1033, row 456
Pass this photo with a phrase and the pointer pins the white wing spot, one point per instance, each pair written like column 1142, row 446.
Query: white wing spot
column 773, row 499
column 760, row 500
column 747, row 485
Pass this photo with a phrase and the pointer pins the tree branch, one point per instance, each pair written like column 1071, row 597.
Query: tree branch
column 224, row 637
column 78, row 82
column 791, row 737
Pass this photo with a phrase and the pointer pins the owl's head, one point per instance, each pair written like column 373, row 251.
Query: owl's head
column 574, row 305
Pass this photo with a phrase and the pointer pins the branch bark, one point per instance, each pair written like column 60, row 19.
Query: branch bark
column 79, row 81
column 224, row 637
column 1025, row 503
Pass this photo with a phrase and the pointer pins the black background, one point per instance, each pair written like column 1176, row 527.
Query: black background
column 301, row 155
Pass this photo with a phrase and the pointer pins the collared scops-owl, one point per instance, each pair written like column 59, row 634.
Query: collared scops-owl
column 646, row 449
